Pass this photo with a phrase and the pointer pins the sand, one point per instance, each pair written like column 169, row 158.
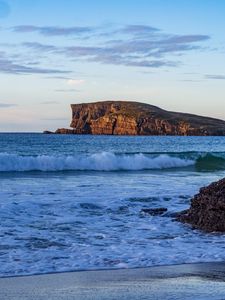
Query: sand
column 189, row 281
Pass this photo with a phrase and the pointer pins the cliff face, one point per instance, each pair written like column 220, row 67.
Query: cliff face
column 133, row 118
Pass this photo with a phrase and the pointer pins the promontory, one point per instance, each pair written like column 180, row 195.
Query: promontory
column 134, row 118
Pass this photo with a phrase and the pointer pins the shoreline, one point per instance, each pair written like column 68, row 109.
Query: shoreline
column 185, row 281
column 133, row 269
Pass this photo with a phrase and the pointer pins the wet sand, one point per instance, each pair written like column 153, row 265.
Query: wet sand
column 189, row 281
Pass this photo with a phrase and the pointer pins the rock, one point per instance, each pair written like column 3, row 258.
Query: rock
column 207, row 211
column 176, row 214
column 64, row 131
column 154, row 211
column 48, row 132
column 134, row 118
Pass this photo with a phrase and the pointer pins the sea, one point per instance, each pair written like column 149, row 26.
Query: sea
column 75, row 202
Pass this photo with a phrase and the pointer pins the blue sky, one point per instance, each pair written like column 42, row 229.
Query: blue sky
column 168, row 53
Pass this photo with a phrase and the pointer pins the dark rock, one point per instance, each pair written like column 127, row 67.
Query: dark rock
column 154, row 211
column 175, row 214
column 207, row 211
column 48, row 132
column 64, row 131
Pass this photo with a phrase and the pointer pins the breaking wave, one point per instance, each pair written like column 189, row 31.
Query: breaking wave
column 104, row 161
column 107, row 161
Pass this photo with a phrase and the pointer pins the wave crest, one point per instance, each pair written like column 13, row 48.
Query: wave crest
column 105, row 161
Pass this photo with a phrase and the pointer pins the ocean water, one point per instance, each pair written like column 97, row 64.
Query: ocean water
column 72, row 202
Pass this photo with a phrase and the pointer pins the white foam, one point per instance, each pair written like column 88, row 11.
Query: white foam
column 104, row 161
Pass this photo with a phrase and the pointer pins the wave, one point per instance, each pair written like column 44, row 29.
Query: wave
column 104, row 161
column 210, row 162
column 108, row 161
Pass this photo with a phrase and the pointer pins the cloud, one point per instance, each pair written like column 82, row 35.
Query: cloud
column 140, row 46
column 52, row 30
column 58, row 77
column 128, row 61
column 10, row 67
column 184, row 39
column 131, row 45
column 6, row 105
column 218, row 77
column 138, row 29
column 75, row 81
column 148, row 52
column 9, row 64
column 39, row 46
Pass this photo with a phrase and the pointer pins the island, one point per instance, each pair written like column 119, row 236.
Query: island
column 135, row 118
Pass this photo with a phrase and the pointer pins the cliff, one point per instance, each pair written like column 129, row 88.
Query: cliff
column 134, row 118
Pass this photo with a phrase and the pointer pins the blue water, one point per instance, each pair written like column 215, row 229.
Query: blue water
column 70, row 202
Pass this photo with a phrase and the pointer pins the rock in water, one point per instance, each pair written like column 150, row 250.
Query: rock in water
column 154, row 211
column 64, row 131
column 48, row 132
column 207, row 211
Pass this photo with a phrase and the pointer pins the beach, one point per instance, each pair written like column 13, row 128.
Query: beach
column 202, row 281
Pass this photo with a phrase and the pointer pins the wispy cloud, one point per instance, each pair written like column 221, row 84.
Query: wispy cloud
column 6, row 105
column 53, row 30
column 131, row 45
column 39, row 46
column 10, row 66
column 58, row 77
column 148, row 52
column 138, row 30
column 75, row 81
column 217, row 77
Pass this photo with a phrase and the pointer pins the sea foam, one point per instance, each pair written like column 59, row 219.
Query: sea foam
column 104, row 161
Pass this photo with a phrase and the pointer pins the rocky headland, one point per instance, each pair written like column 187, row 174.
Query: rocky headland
column 207, row 211
column 134, row 118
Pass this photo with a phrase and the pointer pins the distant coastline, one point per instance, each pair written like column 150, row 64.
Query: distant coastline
column 135, row 118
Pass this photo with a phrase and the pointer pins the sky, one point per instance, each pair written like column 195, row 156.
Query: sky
column 168, row 53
